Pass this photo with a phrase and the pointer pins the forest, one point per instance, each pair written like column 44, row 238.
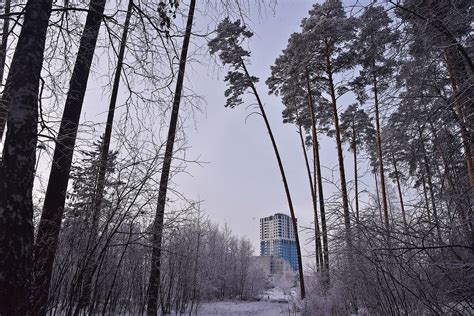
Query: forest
column 92, row 217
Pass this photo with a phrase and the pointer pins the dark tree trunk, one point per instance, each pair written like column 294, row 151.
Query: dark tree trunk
column 356, row 177
column 154, row 281
column 97, row 203
column 378, row 195
column 340, row 156
column 430, row 188
column 317, row 237
column 400, row 195
column 425, row 194
column 318, row 183
column 285, row 182
column 380, row 156
column 3, row 56
column 50, row 223
column 20, row 97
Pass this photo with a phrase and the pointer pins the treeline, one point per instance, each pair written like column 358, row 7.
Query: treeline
column 392, row 84
column 106, row 271
column 102, row 263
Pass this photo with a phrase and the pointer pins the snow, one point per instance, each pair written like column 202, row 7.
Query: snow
column 273, row 302
column 261, row 308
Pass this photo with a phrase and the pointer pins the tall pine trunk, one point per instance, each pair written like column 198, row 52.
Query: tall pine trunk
column 154, row 281
column 379, row 155
column 318, row 183
column 377, row 191
column 340, row 156
column 356, row 177
column 430, row 188
column 461, row 82
column 20, row 97
column 90, row 266
column 317, row 233
column 53, row 208
column 3, row 57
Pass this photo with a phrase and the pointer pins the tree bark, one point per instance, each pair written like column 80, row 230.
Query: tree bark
column 3, row 57
column 53, row 208
column 319, row 182
column 342, row 173
column 380, row 156
column 400, row 195
column 430, row 189
column 356, row 178
column 285, row 182
column 377, row 191
column 154, row 281
column 18, row 163
column 97, row 203
column 317, row 234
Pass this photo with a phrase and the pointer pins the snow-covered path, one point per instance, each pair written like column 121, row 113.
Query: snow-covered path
column 261, row 308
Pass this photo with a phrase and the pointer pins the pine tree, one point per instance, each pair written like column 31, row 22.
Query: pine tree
column 327, row 33
column 291, row 78
column 227, row 44
column 375, row 39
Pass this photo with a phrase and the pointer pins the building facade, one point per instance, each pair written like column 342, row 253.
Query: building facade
column 277, row 239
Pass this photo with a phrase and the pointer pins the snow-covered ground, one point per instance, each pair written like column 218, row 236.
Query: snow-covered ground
column 263, row 308
column 273, row 302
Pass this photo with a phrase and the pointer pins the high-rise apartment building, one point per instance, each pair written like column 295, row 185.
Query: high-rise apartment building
column 277, row 238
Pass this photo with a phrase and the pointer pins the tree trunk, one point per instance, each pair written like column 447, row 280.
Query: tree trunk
column 400, row 195
column 461, row 81
column 430, row 189
column 99, row 193
column 317, row 234
column 342, row 173
column 379, row 155
column 50, row 223
column 3, row 57
column 285, row 183
column 154, row 281
column 425, row 194
column 377, row 191
column 319, row 182
column 356, row 180
column 18, row 163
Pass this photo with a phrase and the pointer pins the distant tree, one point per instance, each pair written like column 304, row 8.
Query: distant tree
column 227, row 44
